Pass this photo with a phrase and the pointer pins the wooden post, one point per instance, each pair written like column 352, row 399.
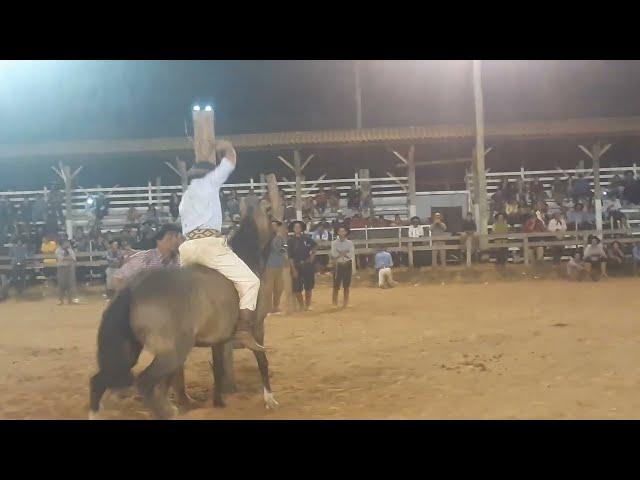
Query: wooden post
column 365, row 187
column 68, row 200
column 204, row 141
column 468, row 241
column 596, row 151
column 479, row 168
column 358, row 93
column 182, row 170
column 525, row 248
column 411, row 169
column 410, row 253
column 298, row 171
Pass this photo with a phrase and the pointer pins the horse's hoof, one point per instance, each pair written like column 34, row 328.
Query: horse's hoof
column 270, row 402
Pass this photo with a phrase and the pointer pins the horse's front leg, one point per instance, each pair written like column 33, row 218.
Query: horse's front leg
column 263, row 365
column 229, row 380
column 217, row 352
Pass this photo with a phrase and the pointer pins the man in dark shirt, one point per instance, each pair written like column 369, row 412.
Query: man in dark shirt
column 302, row 252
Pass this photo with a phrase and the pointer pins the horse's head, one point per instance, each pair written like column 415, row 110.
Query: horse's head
column 254, row 234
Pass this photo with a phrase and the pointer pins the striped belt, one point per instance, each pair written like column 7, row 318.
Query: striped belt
column 203, row 233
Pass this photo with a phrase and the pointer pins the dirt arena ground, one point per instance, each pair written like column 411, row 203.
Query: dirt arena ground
column 503, row 350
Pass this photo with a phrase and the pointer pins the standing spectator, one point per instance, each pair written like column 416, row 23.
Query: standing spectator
column 596, row 257
column 39, row 209
column 384, row 262
column 578, row 218
column 66, row 261
column 557, row 225
column 343, row 254
column 320, row 200
column 500, row 226
column 273, row 281
column 334, row 199
column 558, row 190
column 576, row 268
column 115, row 259
column 581, row 189
column 439, row 228
column 133, row 216
column 19, row 255
column 468, row 234
column 302, row 252
column 174, row 203
column 415, row 229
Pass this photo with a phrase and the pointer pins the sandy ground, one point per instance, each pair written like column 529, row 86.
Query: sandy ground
column 528, row 349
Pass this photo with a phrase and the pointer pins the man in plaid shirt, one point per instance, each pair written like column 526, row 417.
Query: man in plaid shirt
column 168, row 239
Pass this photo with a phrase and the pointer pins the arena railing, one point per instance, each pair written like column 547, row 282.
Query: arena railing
column 524, row 242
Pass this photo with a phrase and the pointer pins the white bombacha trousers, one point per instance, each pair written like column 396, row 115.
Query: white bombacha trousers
column 384, row 277
column 213, row 252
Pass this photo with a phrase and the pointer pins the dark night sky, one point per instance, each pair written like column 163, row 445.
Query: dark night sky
column 72, row 100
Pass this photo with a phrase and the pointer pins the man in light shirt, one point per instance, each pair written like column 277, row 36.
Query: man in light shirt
column 201, row 215
column 343, row 254
column 557, row 224
column 415, row 229
column 384, row 262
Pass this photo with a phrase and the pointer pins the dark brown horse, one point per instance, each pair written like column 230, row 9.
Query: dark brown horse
column 170, row 311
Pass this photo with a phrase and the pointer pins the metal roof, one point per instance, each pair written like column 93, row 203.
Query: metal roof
column 577, row 127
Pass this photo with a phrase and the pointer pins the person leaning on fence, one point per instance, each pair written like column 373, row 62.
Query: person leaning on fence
column 500, row 226
column 273, row 281
column 384, row 263
column 615, row 258
column 438, row 228
column 343, row 253
column 66, row 260
column 596, row 257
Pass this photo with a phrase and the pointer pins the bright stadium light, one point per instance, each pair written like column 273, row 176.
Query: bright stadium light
column 208, row 108
column 90, row 201
column 196, row 108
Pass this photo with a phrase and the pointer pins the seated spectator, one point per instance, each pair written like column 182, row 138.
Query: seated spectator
column 320, row 233
column 512, row 210
column 307, row 206
column 151, row 216
column 631, row 193
column 397, row 221
column 415, row 229
column 373, row 222
column 320, row 201
column 81, row 240
column 147, row 237
column 576, row 268
column 498, row 201
column 615, row 257
column 133, row 216
column 533, row 224
column 536, row 191
column 383, row 222
column 338, row 221
column 581, row 189
column 616, row 186
column 558, row 190
column 358, row 222
column 578, row 219
column 383, row 263
column 334, row 199
column 596, row 257
column 99, row 244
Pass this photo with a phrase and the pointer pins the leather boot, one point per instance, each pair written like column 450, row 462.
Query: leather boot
column 244, row 335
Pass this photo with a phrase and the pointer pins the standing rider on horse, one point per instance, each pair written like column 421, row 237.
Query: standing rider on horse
column 201, row 215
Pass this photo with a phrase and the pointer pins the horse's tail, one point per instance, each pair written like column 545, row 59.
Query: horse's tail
column 118, row 348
